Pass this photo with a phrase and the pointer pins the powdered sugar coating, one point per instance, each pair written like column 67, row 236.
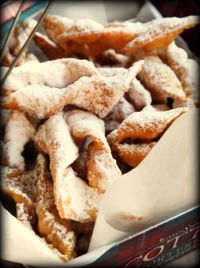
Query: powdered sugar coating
column 159, row 33
column 186, row 69
column 73, row 197
column 133, row 154
column 160, row 80
column 143, row 126
column 84, row 124
column 87, row 37
column 139, row 95
column 56, row 231
column 21, row 186
column 102, row 169
column 58, row 73
column 18, row 132
column 97, row 94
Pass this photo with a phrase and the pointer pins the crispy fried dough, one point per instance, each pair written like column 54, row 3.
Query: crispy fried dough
column 142, row 128
column 159, row 33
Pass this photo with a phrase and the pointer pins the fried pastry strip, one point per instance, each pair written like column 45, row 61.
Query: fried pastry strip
column 48, row 47
column 142, row 128
column 161, row 81
column 20, row 186
column 73, row 197
column 56, row 231
column 17, row 133
column 102, row 169
column 87, row 37
column 58, row 73
column 97, row 94
column 139, row 95
column 186, row 70
column 159, row 33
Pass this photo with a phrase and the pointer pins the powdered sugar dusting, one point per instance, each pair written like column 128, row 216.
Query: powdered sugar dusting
column 138, row 95
column 84, row 124
column 160, row 80
column 144, row 125
column 54, row 133
column 159, row 33
column 101, row 167
column 97, row 94
column 73, row 197
column 187, row 70
column 80, row 201
column 58, row 73
column 18, row 132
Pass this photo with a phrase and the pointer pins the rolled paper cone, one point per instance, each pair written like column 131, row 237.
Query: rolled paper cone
column 162, row 186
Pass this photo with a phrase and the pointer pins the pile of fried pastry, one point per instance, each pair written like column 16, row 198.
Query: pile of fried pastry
column 73, row 124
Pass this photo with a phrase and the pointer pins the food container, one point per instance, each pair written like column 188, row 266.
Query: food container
column 156, row 245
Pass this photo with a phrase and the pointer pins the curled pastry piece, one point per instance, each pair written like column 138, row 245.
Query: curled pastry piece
column 18, row 132
column 138, row 133
column 48, row 47
column 87, row 37
column 58, row 232
column 187, row 70
column 102, row 169
column 74, row 198
column 138, row 95
column 20, row 186
column 86, row 92
column 58, row 73
column 133, row 154
column 118, row 113
column 20, row 35
column 159, row 33
column 84, row 125
column 161, row 81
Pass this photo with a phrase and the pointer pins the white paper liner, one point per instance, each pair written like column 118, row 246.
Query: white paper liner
column 163, row 185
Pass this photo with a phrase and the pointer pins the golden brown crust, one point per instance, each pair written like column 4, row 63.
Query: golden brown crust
column 87, row 37
column 55, row 230
column 74, row 198
column 161, row 81
column 142, row 128
column 50, row 49
column 159, row 33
